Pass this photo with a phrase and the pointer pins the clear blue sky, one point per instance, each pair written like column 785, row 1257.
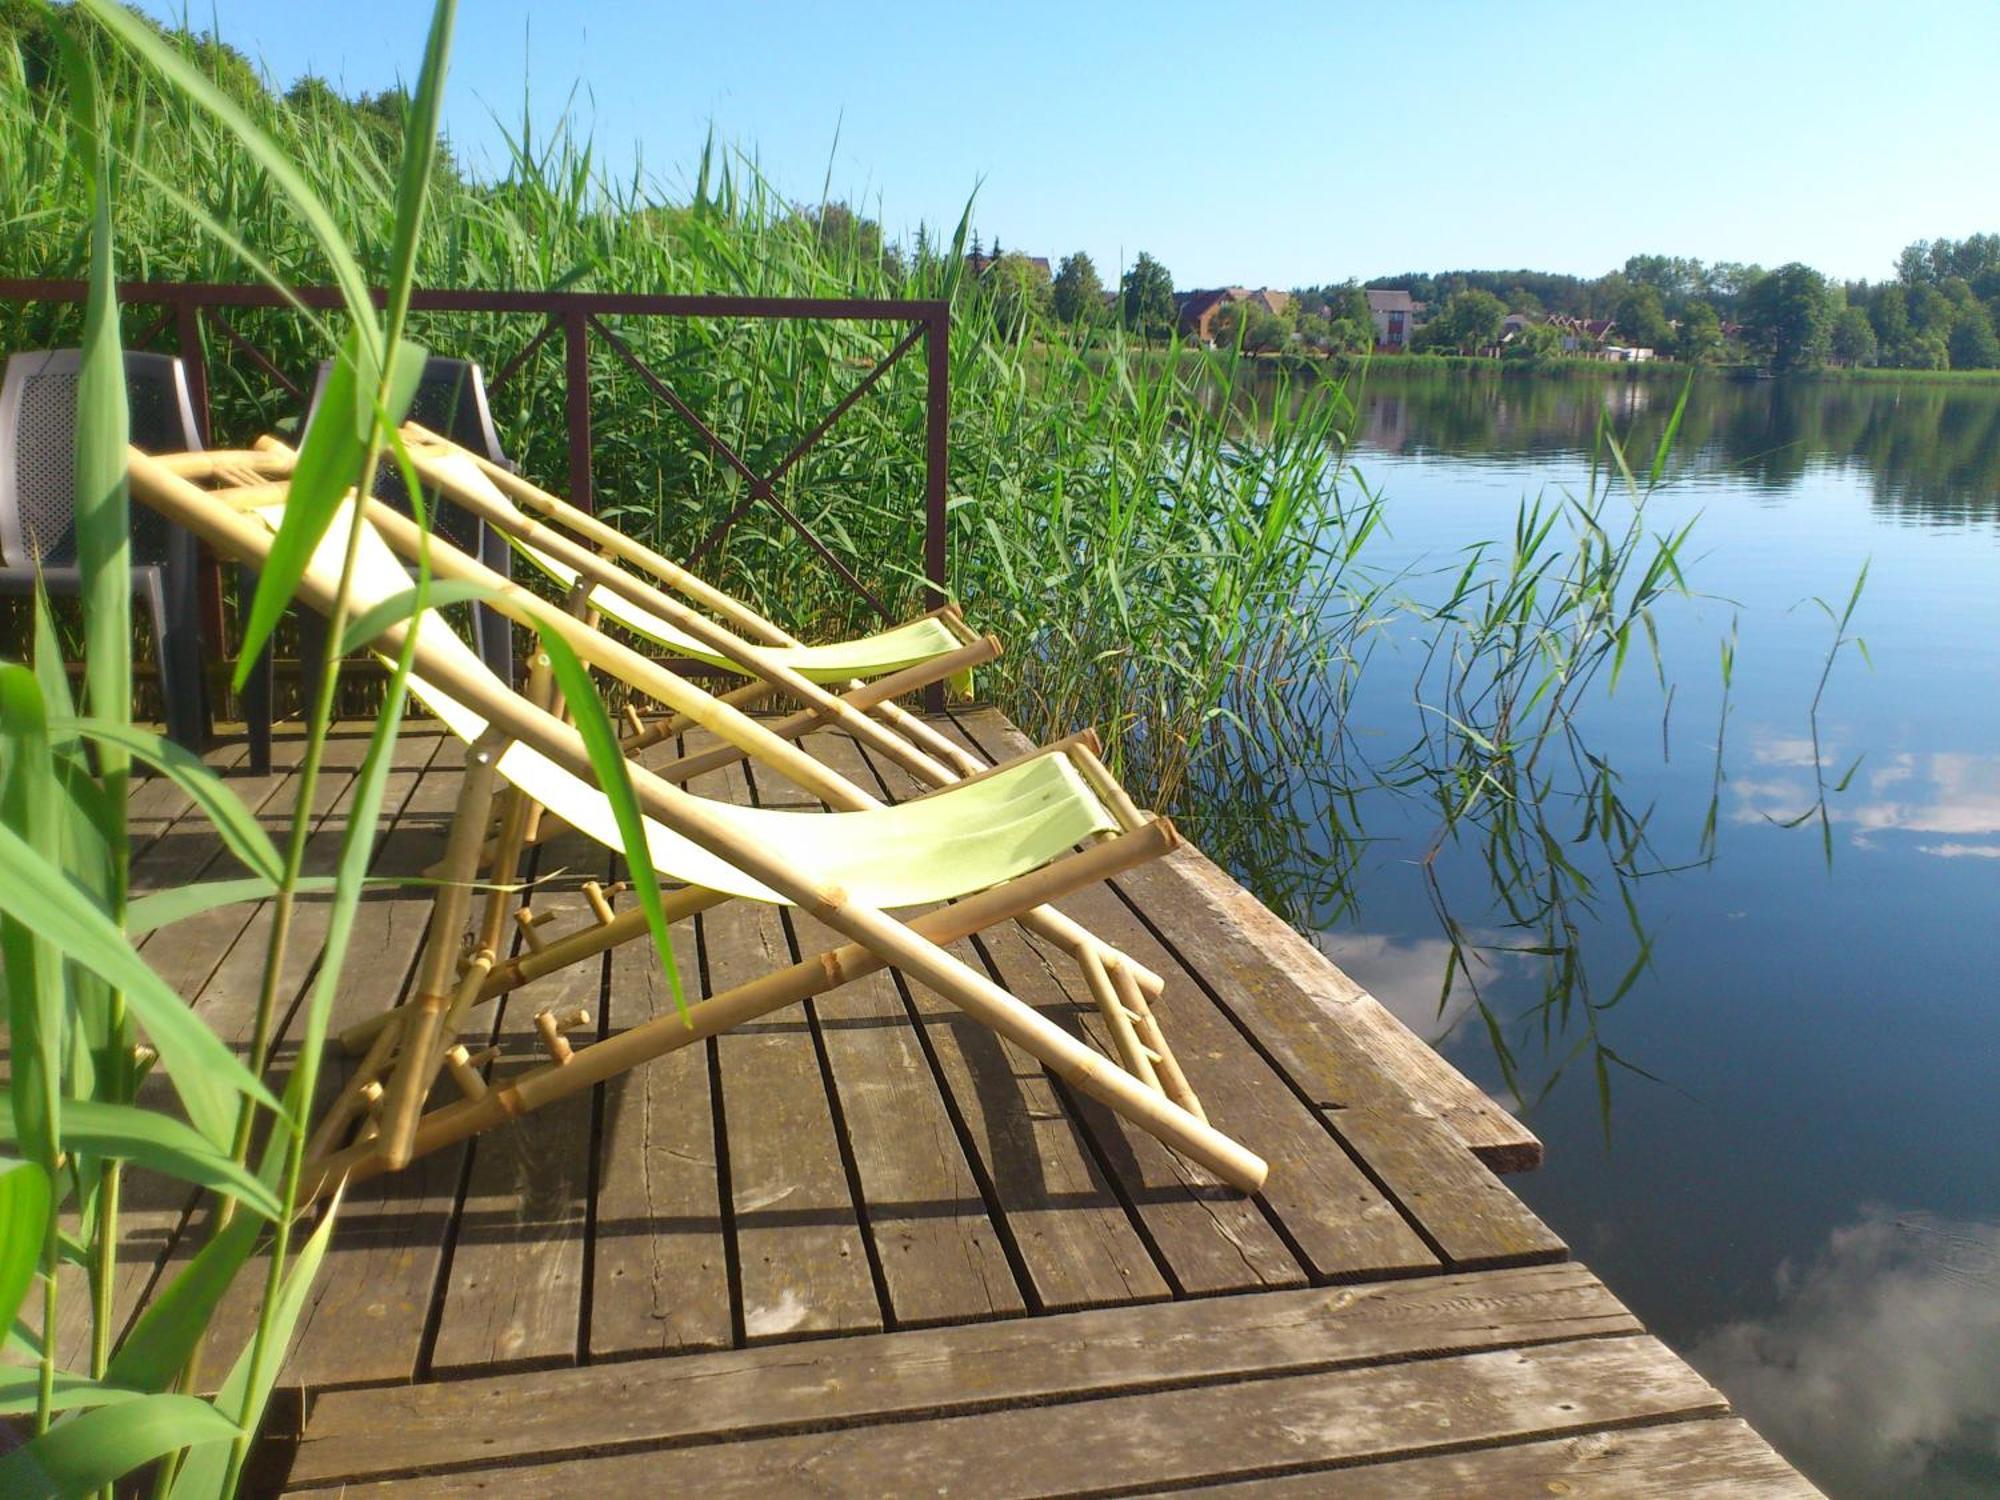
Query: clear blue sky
column 1278, row 144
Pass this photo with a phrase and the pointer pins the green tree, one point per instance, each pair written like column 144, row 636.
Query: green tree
column 1930, row 310
column 1699, row 339
column 1788, row 315
column 1640, row 319
column 1468, row 322
column 1146, row 296
column 1972, row 344
column 1853, row 338
column 1264, row 332
column 1078, row 295
column 1889, row 316
column 1020, row 292
column 1533, row 341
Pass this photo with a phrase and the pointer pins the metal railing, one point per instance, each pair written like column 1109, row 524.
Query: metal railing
column 188, row 308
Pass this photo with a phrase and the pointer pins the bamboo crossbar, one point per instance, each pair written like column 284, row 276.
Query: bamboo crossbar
column 883, row 939
column 747, row 657
column 613, row 542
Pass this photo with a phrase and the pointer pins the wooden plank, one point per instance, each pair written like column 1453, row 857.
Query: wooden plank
column 1713, row 1458
column 659, row 1255
column 215, row 959
column 1215, row 1239
column 1266, row 955
column 1468, row 1215
column 941, row 1256
column 515, row 1293
column 803, row 1266
column 842, row 1382
column 364, row 1317
column 230, row 1001
column 1166, row 1438
column 1075, row 1240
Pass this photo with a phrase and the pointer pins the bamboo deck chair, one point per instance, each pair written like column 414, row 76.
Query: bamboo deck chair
column 870, row 672
column 995, row 846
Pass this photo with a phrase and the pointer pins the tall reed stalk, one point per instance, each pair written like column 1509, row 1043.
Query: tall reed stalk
column 77, row 1114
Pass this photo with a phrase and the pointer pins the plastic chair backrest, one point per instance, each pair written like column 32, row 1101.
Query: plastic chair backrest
column 451, row 400
column 38, row 450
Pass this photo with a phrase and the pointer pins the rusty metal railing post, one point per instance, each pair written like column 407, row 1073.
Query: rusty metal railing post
column 937, row 468
column 576, row 403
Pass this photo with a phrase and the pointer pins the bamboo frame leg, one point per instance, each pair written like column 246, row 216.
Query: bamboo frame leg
column 1132, row 1001
column 347, row 1103
column 423, row 1017
column 1137, row 1057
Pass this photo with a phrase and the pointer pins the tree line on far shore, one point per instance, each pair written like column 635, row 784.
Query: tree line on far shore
column 1938, row 312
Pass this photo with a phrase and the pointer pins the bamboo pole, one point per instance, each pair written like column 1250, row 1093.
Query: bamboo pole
column 1137, row 1061
column 1132, row 1001
column 610, row 540
column 755, row 661
column 417, row 1037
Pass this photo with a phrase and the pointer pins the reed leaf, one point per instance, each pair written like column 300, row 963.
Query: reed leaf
column 36, row 894
column 614, row 779
column 84, row 1452
column 25, row 1206
column 157, row 1141
column 207, row 1473
column 174, row 1321
column 238, row 827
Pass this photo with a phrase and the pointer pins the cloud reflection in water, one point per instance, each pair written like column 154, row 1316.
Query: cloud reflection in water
column 1879, row 1373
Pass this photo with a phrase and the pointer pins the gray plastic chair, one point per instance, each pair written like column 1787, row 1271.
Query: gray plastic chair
column 451, row 400
column 38, row 508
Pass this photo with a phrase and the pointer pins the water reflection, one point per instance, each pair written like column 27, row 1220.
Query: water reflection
column 1953, row 794
column 1930, row 452
column 1407, row 976
column 1879, row 1370
column 1818, row 997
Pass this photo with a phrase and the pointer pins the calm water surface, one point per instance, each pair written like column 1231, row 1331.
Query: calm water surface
column 1804, row 1196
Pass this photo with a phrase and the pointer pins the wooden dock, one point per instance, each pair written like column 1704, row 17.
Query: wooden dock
column 866, row 1248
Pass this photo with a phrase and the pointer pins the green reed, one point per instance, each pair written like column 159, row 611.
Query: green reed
column 87, row 1100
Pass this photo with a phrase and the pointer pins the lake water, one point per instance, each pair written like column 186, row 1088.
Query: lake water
column 1804, row 1195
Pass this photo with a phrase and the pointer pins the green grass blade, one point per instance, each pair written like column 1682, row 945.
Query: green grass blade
column 89, row 1451
column 329, row 464
column 235, row 823
column 370, row 623
column 103, row 427
column 158, row 1141
column 24, row 1220
column 171, row 1327
column 35, row 998
column 205, row 1474
column 35, row 892
column 608, row 761
column 420, row 130
column 18, row 1393
column 164, row 908
column 188, row 81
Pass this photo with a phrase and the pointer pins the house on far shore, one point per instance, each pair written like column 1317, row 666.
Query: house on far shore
column 1194, row 312
column 1582, row 335
column 1395, row 316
